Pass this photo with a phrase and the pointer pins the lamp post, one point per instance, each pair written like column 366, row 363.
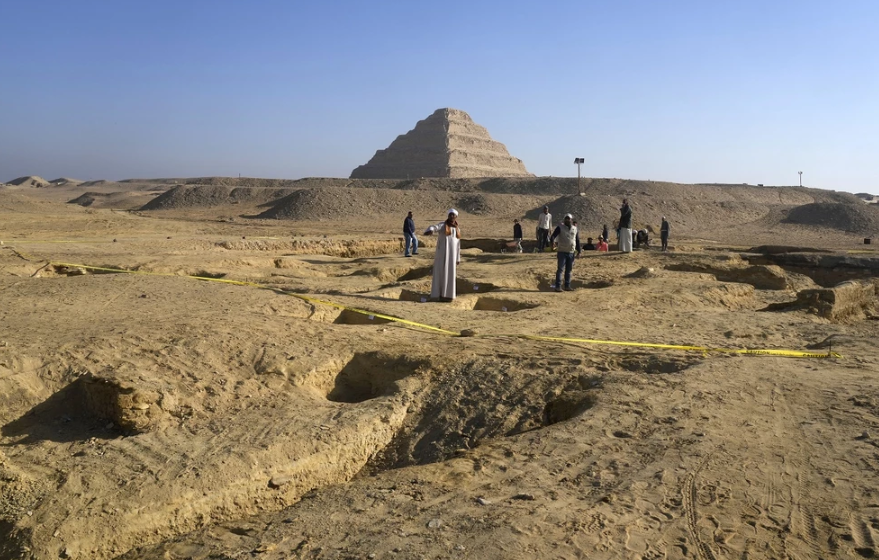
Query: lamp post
column 801, row 177
column 578, row 161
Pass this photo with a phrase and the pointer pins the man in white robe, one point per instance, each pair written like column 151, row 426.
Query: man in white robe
column 448, row 256
column 625, row 242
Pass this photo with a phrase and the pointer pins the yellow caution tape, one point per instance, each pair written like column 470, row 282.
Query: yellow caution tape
column 686, row 348
column 256, row 285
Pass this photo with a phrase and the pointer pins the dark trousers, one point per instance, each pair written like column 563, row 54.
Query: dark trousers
column 566, row 261
column 542, row 238
column 664, row 237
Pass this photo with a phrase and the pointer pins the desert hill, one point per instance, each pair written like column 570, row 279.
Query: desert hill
column 690, row 208
column 65, row 182
column 30, row 181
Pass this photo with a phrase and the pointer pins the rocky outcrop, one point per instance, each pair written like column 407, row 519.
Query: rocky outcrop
column 446, row 144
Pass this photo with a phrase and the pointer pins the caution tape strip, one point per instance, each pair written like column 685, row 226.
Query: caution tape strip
column 256, row 285
column 686, row 348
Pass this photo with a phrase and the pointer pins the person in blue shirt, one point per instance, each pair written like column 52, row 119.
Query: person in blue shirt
column 409, row 235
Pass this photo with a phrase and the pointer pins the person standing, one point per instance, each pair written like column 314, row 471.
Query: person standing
column 626, row 227
column 604, row 233
column 569, row 244
column 517, row 235
column 409, row 235
column 447, row 258
column 663, row 233
column 544, row 223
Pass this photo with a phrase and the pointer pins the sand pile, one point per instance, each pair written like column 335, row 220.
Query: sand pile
column 594, row 211
column 855, row 218
column 65, row 182
column 95, row 183
column 30, row 181
column 127, row 200
column 208, row 196
column 338, row 203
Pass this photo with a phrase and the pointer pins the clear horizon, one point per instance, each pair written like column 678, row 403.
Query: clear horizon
column 686, row 91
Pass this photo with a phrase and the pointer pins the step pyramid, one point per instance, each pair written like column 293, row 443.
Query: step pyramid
column 446, row 144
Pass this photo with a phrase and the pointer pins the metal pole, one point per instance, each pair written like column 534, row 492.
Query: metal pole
column 578, row 177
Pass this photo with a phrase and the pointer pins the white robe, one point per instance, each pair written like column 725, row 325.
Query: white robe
column 445, row 263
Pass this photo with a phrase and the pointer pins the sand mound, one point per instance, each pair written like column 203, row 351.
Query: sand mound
column 336, row 203
column 855, row 218
column 96, row 183
column 209, row 196
column 86, row 198
column 30, row 181
column 65, row 182
column 117, row 199
column 593, row 211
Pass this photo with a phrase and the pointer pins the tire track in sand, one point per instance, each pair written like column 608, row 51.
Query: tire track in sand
column 688, row 495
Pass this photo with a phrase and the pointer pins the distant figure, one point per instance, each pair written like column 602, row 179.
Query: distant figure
column 604, row 233
column 589, row 246
column 663, row 233
column 448, row 257
column 569, row 244
column 626, row 227
column 517, row 235
column 544, row 223
column 602, row 244
column 409, row 235
column 642, row 238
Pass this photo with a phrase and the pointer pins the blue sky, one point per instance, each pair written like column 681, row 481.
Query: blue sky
column 678, row 90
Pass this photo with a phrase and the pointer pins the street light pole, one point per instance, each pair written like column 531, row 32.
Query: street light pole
column 801, row 177
column 578, row 161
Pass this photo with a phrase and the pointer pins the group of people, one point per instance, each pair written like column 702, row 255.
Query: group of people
column 565, row 237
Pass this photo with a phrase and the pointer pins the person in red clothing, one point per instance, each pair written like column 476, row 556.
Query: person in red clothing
column 602, row 243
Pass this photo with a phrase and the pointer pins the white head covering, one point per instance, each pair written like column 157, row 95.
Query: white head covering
column 569, row 216
column 453, row 211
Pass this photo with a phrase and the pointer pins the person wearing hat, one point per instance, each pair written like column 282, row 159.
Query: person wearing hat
column 544, row 223
column 663, row 233
column 569, row 245
column 447, row 258
column 602, row 244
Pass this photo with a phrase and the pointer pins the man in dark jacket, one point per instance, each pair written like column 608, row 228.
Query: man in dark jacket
column 663, row 233
column 626, row 227
column 409, row 235
column 517, row 235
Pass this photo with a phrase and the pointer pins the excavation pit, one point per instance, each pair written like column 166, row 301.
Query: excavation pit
column 501, row 305
column 371, row 375
column 350, row 317
column 464, row 405
column 656, row 364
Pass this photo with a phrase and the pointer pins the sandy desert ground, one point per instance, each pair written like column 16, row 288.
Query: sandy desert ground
column 151, row 415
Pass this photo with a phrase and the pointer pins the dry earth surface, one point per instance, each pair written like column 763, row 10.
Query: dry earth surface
column 154, row 416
